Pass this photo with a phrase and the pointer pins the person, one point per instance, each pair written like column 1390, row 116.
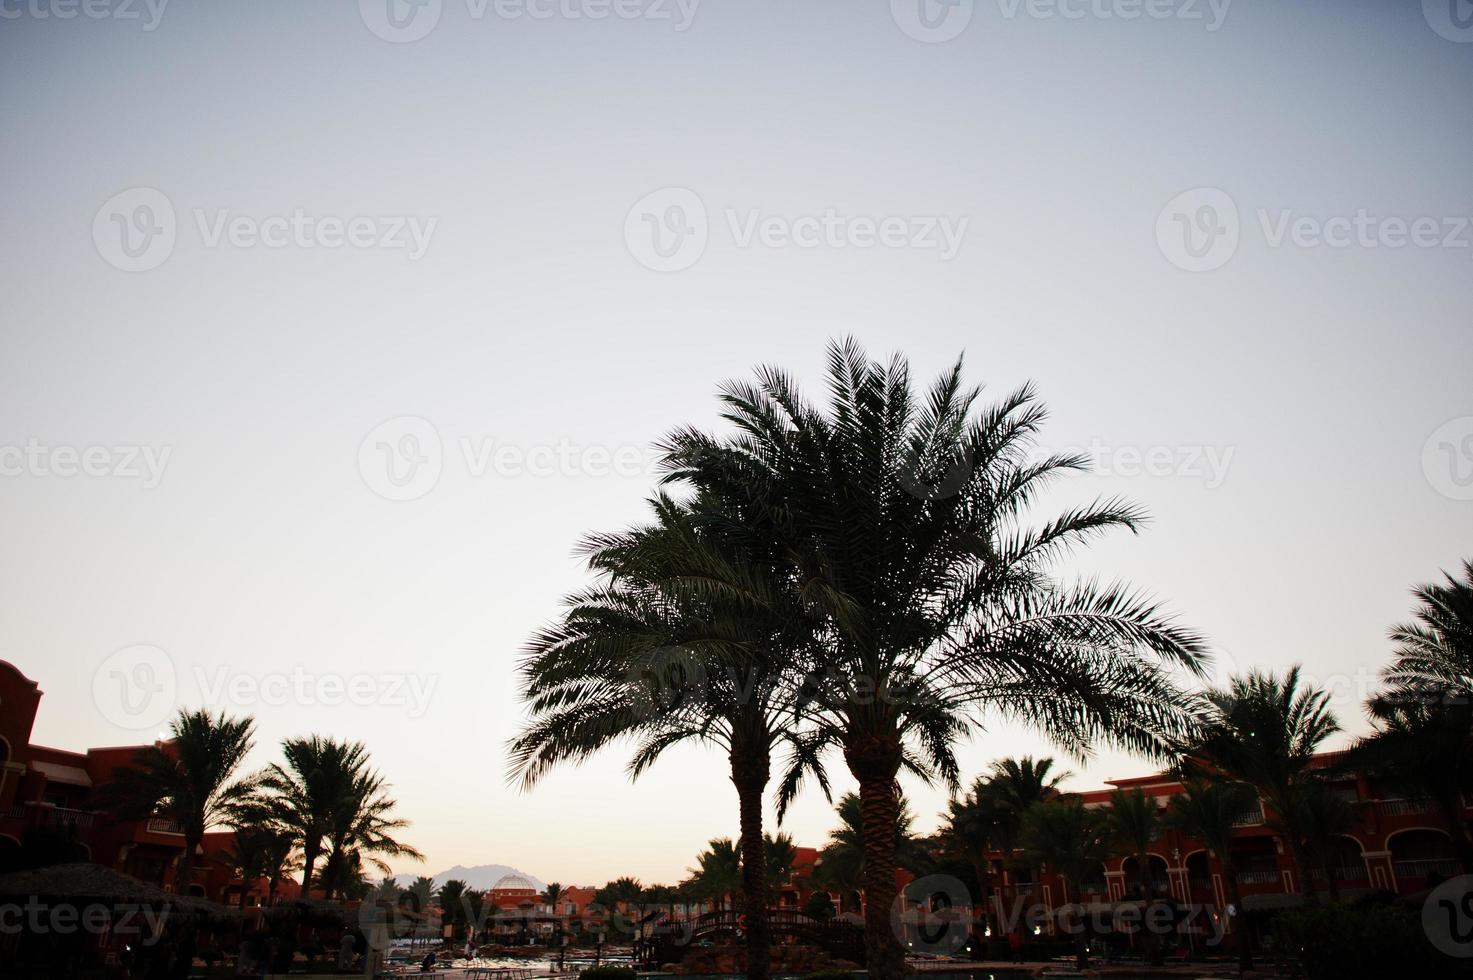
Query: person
column 470, row 948
column 1015, row 943
column 429, row 962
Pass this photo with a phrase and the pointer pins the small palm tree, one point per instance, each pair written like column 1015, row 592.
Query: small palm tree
column 1321, row 818
column 552, row 894
column 971, row 833
column 191, row 779
column 1265, row 731
column 1134, row 820
column 451, row 897
column 841, row 861
column 1014, row 787
column 309, row 789
column 718, row 871
column 1070, row 839
column 246, row 858
column 781, row 854
column 1210, row 810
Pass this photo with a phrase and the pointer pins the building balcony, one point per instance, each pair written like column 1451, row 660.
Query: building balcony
column 1405, row 808
column 159, row 825
column 1258, row 877
column 1252, row 818
column 1419, row 869
column 1345, row 872
column 80, row 819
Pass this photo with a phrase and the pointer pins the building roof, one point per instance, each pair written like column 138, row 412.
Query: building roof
column 56, row 772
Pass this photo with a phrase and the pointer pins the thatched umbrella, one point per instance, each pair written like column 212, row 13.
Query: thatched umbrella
column 83, row 880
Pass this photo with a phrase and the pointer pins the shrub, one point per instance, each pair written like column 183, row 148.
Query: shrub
column 608, row 973
column 1341, row 942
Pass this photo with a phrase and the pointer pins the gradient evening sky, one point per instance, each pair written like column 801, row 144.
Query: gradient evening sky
column 530, row 321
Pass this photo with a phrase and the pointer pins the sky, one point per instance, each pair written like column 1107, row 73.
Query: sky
column 329, row 329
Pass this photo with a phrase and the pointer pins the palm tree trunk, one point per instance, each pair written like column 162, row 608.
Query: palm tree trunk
column 1241, row 933
column 874, row 762
column 749, row 772
column 311, row 848
column 983, row 869
column 1152, row 941
column 184, row 870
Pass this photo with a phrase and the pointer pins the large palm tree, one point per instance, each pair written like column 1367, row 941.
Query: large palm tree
column 1434, row 652
column 309, row 790
column 687, row 638
column 1134, row 821
column 1070, row 839
column 1210, row 810
column 190, row 779
column 1264, row 730
column 907, row 520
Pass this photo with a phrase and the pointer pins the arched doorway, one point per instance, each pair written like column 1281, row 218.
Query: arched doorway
column 1156, row 867
column 1199, row 878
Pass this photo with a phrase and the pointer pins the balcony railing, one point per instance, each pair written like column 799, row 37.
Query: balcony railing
column 16, row 811
column 1345, row 872
column 1402, row 808
column 1414, row 870
column 159, row 825
column 1252, row 817
column 77, row 818
column 1258, row 877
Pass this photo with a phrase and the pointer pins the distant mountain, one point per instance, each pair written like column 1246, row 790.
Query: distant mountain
column 484, row 876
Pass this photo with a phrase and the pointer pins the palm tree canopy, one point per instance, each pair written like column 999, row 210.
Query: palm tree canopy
column 904, row 519
column 1434, row 652
column 1067, row 836
column 841, row 860
column 1209, row 810
column 1134, row 819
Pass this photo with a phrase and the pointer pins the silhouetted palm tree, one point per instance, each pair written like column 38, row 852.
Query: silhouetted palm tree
column 841, row 860
column 1070, row 839
column 190, row 779
column 907, row 520
column 1134, row 821
column 718, row 871
column 1423, row 738
column 686, row 639
column 1210, row 810
column 1264, row 730
column 361, row 831
column 309, row 789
